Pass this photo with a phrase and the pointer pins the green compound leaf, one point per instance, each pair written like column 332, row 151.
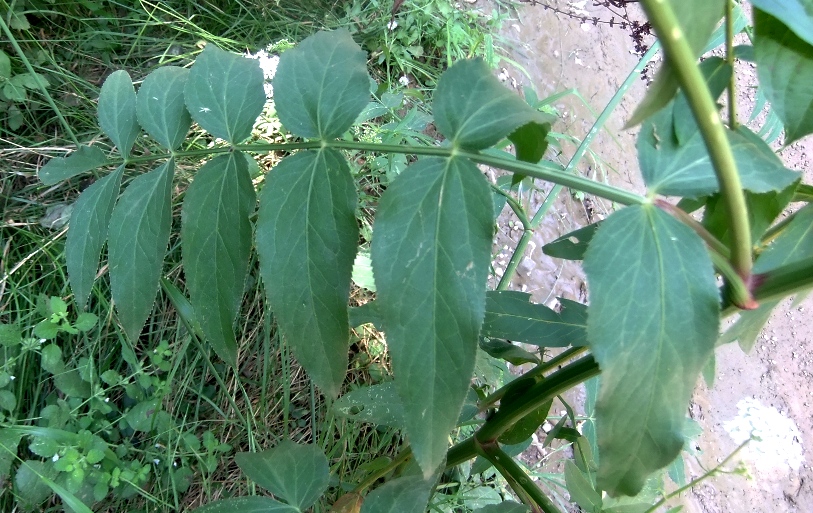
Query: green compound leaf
column 216, row 237
column 674, row 169
column 306, row 237
column 408, row 494
column 117, row 111
column 325, row 85
column 247, row 505
column 474, row 110
column 160, row 106
column 698, row 19
column 87, row 233
column 785, row 67
column 85, row 158
column 511, row 315
column 224, row 93
column 298, row 474
column 430, row 255
column 796, row 14
column 530, row 142
column 654, row 316
column 376, row 404
column 139, row 234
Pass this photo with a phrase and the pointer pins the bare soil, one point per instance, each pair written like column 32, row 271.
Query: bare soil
column 770, row 389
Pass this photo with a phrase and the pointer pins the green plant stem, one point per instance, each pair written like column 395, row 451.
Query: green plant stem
column 684, row 63
column 785, row 280
column 62, row 121
column 401, row 458
column 536, row 372
column 519, row 481
column 515, row 207
column 729, row 55
column 699, row 480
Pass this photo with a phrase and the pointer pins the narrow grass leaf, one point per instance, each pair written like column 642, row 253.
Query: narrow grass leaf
column 510, row 315
column 298, row 474
column 325, row 85
column 697, row 21
column 85, row 158
column 504, row 507
column 87, row 233
column 138, row 238
column 224, row 93
column 247, row 505
column 306, row 238
column 117, row 111
column 675, row 169
column 785, row 68
column 796, row 14
column 653, row 323
column 431, row 248
column 474, row 110
column 216, row 238
column 160, row 106
column 403, row 495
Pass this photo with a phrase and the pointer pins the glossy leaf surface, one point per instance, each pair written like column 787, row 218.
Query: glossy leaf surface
column 697, row 19
column 653, row 323
column 306, row 238
column 511, row 315
column 430, row 254
column 224, row 93
column 117, row 111
column 88, row 232
column 296, row 473
column 85, row 158
column 160, row 106
column 216, row 235
column 247, row 505
column 325, row 85
column 796, row 14
column 785, row 67
column 408, row 494
column 138, row 238
column 674, row 169
column 474, row 110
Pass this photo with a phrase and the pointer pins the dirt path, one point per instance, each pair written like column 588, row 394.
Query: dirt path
column 771, row 388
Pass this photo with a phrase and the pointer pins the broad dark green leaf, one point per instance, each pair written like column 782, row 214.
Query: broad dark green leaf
column 138, row 238
column 216, row 237
column 376, row 404
column 581, row 490
column 785, row 67
column 796, row 14
column 160, row 106
column 247, row 505
column 654, row 317
column 530, row 142
column 408, row 494
column 795, row 243
column 431, row 251
column 366, row 313
column 325, row 85
column 571, row 246
column 763, row 209
column 85, row 158
column 504, row 507
column 698, row 19
column 87, row 233
column 474, row 110
column 306, row 237
column 117, row 111
column 224, row 93
column 674, row 169
column 510, row 315
column 298, row 474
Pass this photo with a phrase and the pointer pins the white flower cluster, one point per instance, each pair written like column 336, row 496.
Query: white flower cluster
column 268, row 63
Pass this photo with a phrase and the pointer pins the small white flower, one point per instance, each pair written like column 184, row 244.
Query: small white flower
column 12, row 378
column 404, row 80
column 107, row 399
column 392, row 25
column 55, row 458
column 41, row 341
column 156, row 461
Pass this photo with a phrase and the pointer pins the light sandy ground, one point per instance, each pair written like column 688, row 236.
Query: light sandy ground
column 771, row 388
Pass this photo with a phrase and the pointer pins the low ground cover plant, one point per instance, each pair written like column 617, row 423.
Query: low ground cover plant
column 653, row 269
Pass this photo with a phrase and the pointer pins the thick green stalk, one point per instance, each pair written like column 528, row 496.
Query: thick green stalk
column 683, row 61
column 519, row 481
